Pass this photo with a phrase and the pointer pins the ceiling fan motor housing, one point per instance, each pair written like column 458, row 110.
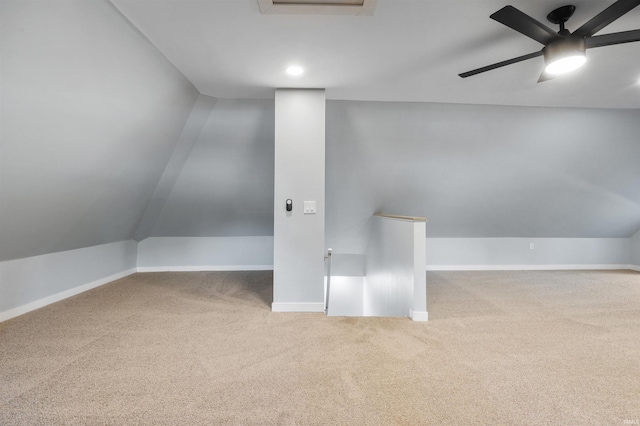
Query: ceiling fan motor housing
column 566, row 46
column 561, row 15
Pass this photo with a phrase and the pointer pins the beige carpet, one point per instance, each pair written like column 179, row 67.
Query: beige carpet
column 203, row 348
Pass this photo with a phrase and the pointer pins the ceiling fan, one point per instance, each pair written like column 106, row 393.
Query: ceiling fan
column 563, row 51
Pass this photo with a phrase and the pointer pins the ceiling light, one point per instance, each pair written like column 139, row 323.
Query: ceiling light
column 295, row 70
column 564, row 55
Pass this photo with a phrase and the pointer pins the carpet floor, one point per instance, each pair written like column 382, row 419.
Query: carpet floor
column 512, row 348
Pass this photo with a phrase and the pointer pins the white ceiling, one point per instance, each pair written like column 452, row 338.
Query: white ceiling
column 409, row 50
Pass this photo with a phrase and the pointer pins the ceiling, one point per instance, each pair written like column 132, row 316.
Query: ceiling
column 409, row 50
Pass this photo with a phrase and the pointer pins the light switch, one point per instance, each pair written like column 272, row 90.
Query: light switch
column 309, row 207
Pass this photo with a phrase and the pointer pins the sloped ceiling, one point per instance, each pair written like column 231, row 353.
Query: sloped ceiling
column 90, row 115
column 410, row 50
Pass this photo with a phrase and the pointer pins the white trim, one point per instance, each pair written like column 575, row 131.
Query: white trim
column 524, row 267
column 368, row 8
column 37, row 304
column 418, row 315
column 205, row 268
column 297, row 307
column 634, row 268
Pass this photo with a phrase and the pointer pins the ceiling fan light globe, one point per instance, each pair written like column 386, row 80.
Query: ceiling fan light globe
column 565, row 64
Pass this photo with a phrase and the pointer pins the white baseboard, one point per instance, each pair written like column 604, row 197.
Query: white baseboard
column 634, row 268
column 524, row 267
column 297, row 307
column 205, row 268
column 418, row 315
column 40, row 303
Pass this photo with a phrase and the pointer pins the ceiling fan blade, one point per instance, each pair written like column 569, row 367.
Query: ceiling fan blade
column 613, row 38
column 525, row 24
column 545, row 77
column 500, row 64
column 606, row 17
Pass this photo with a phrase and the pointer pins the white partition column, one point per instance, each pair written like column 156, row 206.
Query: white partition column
column 298, row 253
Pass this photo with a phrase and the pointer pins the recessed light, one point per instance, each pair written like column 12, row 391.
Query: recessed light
column 295, row 70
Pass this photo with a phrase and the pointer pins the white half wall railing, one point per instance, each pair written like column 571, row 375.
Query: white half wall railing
column 392, row 282
column 395, row 278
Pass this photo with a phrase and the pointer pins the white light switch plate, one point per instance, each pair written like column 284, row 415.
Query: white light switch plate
column 309, row 207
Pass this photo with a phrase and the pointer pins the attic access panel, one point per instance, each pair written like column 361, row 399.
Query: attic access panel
column 318, row 7
column 322, row 2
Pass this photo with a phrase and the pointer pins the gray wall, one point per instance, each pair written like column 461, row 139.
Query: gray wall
column 516, row 253
column 90, row 114
column 485, row 176
column 205, row 253
column 30, row 283
column 482, row 171
column 473, row 171
column 225, row 187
